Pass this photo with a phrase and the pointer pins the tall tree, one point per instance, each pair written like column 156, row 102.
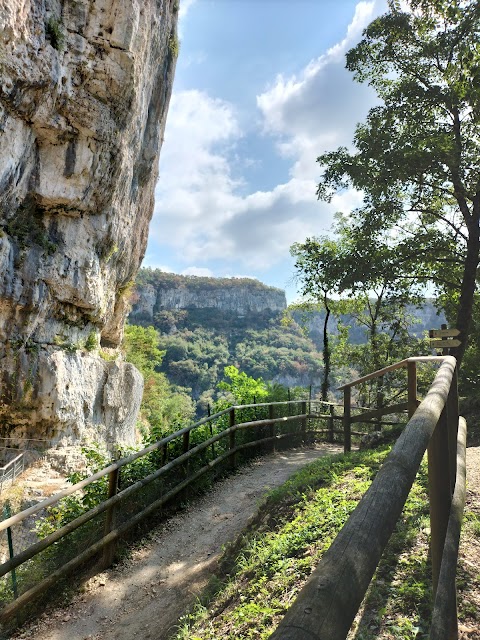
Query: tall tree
column 416, row 157
column 362, row 268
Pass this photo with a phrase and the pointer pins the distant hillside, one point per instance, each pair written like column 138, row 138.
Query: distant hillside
column 157, row 291
column 209, row 323
column 423, row 319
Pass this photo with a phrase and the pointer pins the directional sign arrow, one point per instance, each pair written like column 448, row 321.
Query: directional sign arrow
column 439, row 344
column 443, row 333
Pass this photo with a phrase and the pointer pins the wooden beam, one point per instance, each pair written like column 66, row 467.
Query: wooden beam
column 444, row 620
column 328, row 603
column 377, row 413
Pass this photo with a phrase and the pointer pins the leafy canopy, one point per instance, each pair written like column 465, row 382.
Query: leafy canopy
column 416, row 157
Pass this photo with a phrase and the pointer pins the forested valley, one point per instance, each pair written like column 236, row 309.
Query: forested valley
column 239, row 350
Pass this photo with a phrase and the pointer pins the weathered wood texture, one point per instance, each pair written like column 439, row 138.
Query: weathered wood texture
column 378, row 413
column 327, row 605
column 444, row 621
column 347, row 422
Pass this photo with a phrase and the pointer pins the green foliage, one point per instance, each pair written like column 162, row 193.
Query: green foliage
column 196, row 356
column 73, row 506
column 141, row 348
column 376, row 294
column 415, row 157
column 242, row 389
column 294, row 527
column 66, row 345
column 162, row 280
column 54, row 33
column 174, row 46
column 91, row 343
column 28, row 229
column 164, row 407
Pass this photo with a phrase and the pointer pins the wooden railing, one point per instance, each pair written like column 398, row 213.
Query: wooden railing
column 328, row 603
column 182, row 459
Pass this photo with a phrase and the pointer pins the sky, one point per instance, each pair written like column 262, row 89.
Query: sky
column 260, row 92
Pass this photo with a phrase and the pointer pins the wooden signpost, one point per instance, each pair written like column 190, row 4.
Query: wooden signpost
column 445, row 338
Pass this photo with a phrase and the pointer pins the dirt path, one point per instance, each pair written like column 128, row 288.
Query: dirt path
column 144, row 597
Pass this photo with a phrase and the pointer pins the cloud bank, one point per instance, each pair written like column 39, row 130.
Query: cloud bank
column 205, row 209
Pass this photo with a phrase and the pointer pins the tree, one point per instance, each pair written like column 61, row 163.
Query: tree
column 361, row 271
column 416, row 157
column 317, row 269
column 141, row 348
column 163, row 407
column 242, row 389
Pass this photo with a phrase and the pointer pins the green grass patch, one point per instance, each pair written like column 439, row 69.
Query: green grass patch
column 265, row 569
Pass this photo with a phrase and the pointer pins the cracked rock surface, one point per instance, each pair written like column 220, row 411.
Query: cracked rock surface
column 84, row 92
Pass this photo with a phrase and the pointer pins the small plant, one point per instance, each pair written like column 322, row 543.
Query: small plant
column 126, row 289
column 54, row 33
column 174, row 46
column 111, row 252
column 69, row 347
column 107, row 356
column 91, row 343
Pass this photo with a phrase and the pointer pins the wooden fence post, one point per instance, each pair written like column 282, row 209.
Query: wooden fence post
column 232, row 438
column 211, row 431
column 186, row 441
column 411, row 388
column 303, row 425
column 109, row 549
column 347, row 414
column 272, row 426
column 439, row 485
column 331, row 424
column 7, row 512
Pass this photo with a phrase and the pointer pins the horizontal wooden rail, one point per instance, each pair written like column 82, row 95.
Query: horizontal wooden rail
column 9, row 610
column 328, row 603
column 16, row 519
column 402, row 364
column 378, row 413
column 122, row 495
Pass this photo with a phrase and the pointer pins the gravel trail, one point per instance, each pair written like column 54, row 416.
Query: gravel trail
column 143, row 598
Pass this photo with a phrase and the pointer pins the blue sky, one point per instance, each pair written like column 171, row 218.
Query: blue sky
column 260, row 91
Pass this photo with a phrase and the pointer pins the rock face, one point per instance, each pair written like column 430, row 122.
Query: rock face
column 85, row 87
column 157, row 291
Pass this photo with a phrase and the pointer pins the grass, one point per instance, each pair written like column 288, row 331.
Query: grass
column 267, row 567
column 261, row 574
column 264, row 570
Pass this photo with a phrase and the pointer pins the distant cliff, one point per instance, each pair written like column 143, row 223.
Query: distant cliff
column 157, row 291
column 206, row 324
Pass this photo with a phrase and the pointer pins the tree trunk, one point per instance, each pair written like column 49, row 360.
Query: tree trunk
column 326, row 353
column 467, row 292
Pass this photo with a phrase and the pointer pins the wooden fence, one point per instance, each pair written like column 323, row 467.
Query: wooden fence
column 138, row 485
column 326, row 606
column 170, row 466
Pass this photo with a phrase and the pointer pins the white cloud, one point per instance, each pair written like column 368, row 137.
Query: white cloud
column 201, row 211
column 184, row 7
column 197, row 271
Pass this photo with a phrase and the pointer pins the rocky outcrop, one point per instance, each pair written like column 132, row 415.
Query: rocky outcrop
column 85, row 86
column 157, row 291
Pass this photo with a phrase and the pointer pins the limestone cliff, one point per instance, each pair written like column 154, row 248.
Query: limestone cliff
column 84, row 92
column 157, row 291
